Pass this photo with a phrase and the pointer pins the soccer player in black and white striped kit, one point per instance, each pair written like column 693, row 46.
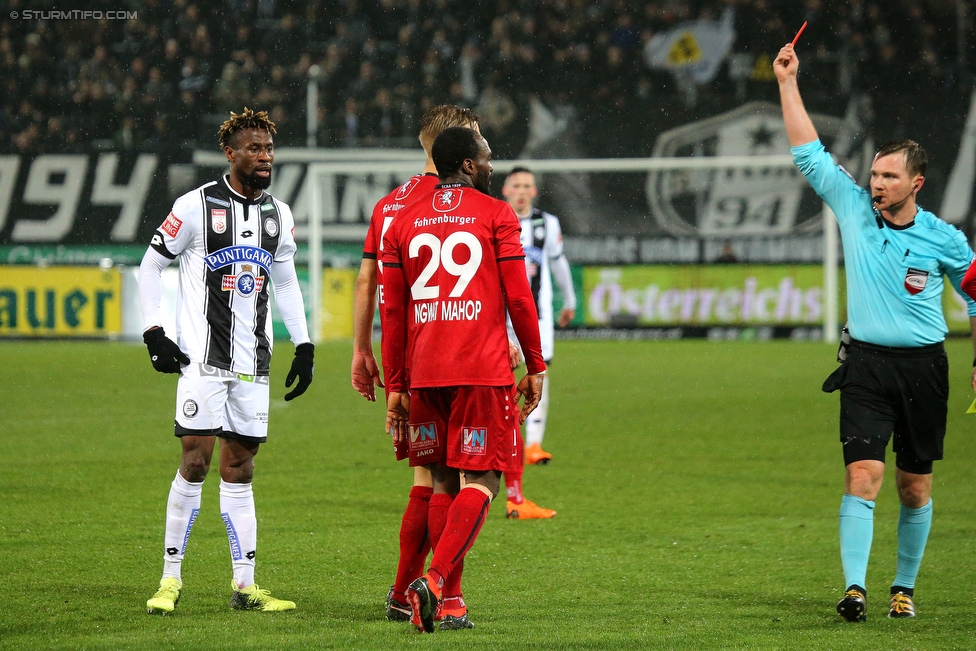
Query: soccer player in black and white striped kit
column 234, row 242
column 542, row 240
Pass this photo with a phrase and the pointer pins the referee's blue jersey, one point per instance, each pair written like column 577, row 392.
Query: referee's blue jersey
column 894, row 274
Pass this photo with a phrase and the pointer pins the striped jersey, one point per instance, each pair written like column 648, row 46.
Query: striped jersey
column 542, row 240
column 226, row 245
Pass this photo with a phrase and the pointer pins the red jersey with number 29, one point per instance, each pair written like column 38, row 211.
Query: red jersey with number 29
column 450, row 310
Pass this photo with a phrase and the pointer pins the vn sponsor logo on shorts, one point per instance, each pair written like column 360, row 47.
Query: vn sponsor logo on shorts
column 423, row 436
column 474, row 440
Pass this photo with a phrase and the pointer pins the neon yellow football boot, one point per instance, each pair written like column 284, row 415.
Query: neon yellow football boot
column 254, row 598
column 165, row 600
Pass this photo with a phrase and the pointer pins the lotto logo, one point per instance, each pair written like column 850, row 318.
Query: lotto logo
column 474, row 440
column 172, row 225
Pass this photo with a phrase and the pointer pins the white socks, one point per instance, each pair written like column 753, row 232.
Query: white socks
column 181, row 511
column 237, row 511
column 535, row 424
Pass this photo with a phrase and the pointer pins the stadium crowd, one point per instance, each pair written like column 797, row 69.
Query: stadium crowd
column 172, row 74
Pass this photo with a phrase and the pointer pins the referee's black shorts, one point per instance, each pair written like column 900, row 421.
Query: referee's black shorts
column 886, row 390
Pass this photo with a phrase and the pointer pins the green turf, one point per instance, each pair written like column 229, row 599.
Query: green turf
column 697, row 485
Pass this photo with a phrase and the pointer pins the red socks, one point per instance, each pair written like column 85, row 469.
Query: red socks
column 414, row 542
column 513, row 486
column 464, row 520
column 440, row 505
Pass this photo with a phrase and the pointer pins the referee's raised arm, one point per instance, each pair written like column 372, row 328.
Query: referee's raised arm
column 799, row 127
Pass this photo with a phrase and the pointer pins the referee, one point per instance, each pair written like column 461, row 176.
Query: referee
column 895, row 378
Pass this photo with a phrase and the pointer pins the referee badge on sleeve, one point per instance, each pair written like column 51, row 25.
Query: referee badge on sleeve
column 915, row 280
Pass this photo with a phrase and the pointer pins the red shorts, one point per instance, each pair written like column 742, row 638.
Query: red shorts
column 401, row 450
column 468, row 428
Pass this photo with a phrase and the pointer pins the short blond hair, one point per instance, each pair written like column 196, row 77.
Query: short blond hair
column 444, row 116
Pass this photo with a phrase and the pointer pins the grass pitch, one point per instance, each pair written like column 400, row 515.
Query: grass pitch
column 697, row 485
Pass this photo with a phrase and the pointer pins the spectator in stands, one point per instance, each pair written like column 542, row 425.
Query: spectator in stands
column 128, row 136
column 420, row 55
column 230, row 91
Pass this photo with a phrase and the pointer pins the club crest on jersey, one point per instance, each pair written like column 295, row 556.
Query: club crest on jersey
column 218, row 220
column 915, row 280
column 407, row 188
column 172, row 225
column 190, row 408
column 244, row 283
column 270, row 227
column 423, row 436
column 474, row 440
column 447, row 200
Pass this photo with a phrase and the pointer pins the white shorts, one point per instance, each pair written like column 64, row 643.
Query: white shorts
column 214, row 402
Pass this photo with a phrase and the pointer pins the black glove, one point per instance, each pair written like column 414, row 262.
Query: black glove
column 301, row 367
column 165, row 355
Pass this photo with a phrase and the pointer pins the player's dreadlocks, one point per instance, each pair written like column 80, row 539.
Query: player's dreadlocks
column 248, row 119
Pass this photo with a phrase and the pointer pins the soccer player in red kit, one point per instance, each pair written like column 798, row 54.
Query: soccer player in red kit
column 414, row 541
column 453, row 265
